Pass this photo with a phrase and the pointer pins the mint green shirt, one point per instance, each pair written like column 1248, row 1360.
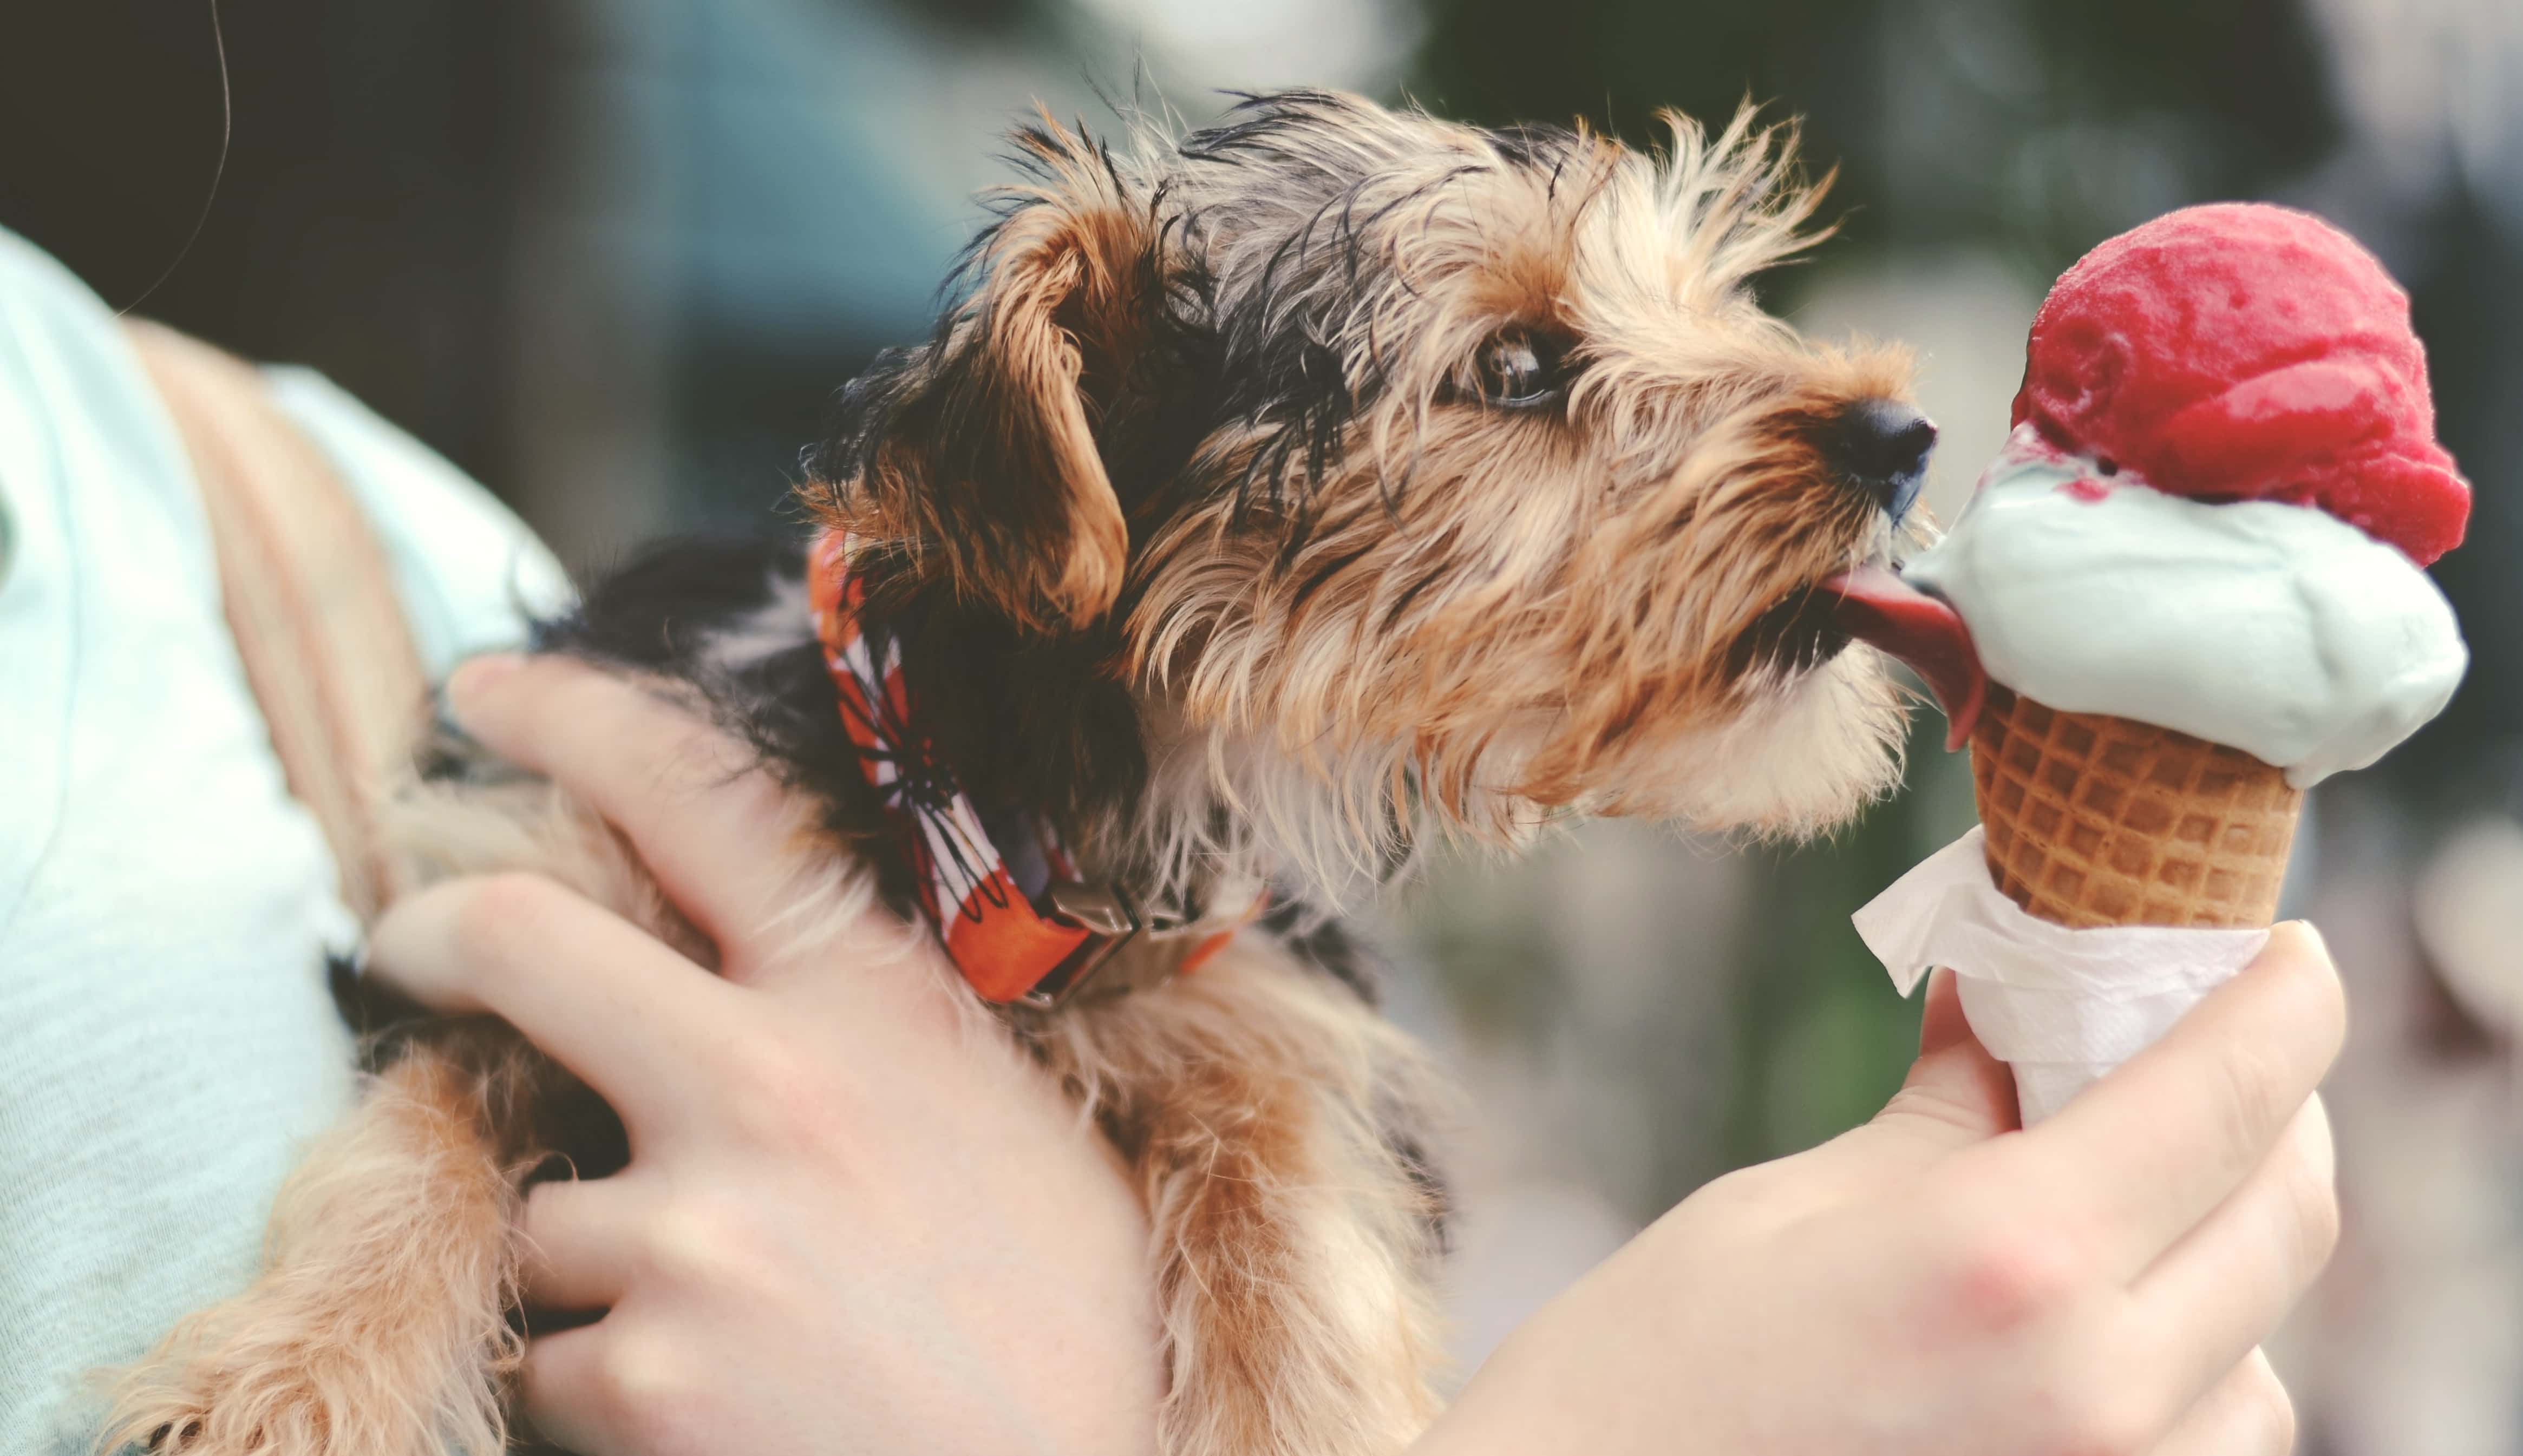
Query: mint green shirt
column 167, row 1041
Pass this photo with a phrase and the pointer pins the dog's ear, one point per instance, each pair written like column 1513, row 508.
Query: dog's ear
column 976, row 456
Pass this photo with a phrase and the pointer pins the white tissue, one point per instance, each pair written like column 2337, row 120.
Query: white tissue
column 2060, row 1007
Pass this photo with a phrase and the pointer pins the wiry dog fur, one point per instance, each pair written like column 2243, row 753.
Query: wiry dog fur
column 1267, row 497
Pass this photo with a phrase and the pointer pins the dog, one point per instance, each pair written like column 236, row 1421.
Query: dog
column 1268, row 499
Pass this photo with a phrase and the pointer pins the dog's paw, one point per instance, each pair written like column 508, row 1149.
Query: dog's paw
column 240, row 1380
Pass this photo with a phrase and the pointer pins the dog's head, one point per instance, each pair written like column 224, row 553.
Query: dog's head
column 1390, row 463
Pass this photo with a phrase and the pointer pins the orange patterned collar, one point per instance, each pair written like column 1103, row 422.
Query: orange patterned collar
column 1016, row 919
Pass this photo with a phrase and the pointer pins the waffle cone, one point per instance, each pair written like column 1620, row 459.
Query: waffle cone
column 2097, row 820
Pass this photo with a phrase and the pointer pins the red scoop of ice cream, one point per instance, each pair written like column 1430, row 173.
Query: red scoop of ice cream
column 2243, row 352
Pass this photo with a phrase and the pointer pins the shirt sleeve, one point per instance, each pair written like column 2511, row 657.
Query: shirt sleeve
column 471, row 576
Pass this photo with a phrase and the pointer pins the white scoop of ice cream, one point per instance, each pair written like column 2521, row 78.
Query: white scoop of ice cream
column 2276, row 629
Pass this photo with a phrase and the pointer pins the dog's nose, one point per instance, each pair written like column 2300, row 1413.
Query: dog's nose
column 1882, row 447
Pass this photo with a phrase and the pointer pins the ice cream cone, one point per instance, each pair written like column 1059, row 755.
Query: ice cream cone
column 2211, row 520
column 2092, row 819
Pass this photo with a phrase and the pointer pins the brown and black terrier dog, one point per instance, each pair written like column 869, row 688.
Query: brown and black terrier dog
column 1273, row 497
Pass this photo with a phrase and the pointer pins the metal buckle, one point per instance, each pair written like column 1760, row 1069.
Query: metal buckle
column 1111, row 921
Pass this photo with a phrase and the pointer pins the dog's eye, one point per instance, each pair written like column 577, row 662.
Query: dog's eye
column 1518, row 370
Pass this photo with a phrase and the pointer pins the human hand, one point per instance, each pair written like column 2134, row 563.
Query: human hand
column 1939, row 1282
column 856, row 1217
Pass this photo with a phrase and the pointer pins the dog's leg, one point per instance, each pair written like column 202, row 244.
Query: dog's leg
column 378, row 1327
column 1265, row 1110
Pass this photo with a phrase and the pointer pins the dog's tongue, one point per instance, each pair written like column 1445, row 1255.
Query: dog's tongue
column 1878, row 608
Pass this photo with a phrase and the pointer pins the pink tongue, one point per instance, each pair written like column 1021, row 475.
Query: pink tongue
column 1878, row 608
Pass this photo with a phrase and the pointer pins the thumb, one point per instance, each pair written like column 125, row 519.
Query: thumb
column 1956, row 1092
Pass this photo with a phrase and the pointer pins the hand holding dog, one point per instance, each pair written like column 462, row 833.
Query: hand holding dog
column 852, row 1223
column 1938, row 1283
column 855, row 1216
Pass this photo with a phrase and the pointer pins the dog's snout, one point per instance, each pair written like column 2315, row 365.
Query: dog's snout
column 1882, row 447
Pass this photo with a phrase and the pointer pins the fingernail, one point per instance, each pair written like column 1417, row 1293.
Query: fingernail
column 2306, row 930
column 478, row 675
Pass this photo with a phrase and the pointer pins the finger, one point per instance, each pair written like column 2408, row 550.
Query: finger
column 697, row 804
column 564, row 1389
column 2247, row 1414
column 2226, row 1285
column 652, row 1032
column 1956, row 1094
column 1942, row 1022
column 578, row 1242
column 2142, row 1156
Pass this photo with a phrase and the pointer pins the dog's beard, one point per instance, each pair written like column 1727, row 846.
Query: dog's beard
column 1810, row 747
column 1806, row 748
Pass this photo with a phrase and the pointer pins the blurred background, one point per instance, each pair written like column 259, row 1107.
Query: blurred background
column 611, row 255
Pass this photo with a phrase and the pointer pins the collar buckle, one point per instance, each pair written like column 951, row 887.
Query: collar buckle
column 1110, row 920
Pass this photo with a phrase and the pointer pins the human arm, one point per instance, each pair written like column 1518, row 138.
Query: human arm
column 1940, row 1281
